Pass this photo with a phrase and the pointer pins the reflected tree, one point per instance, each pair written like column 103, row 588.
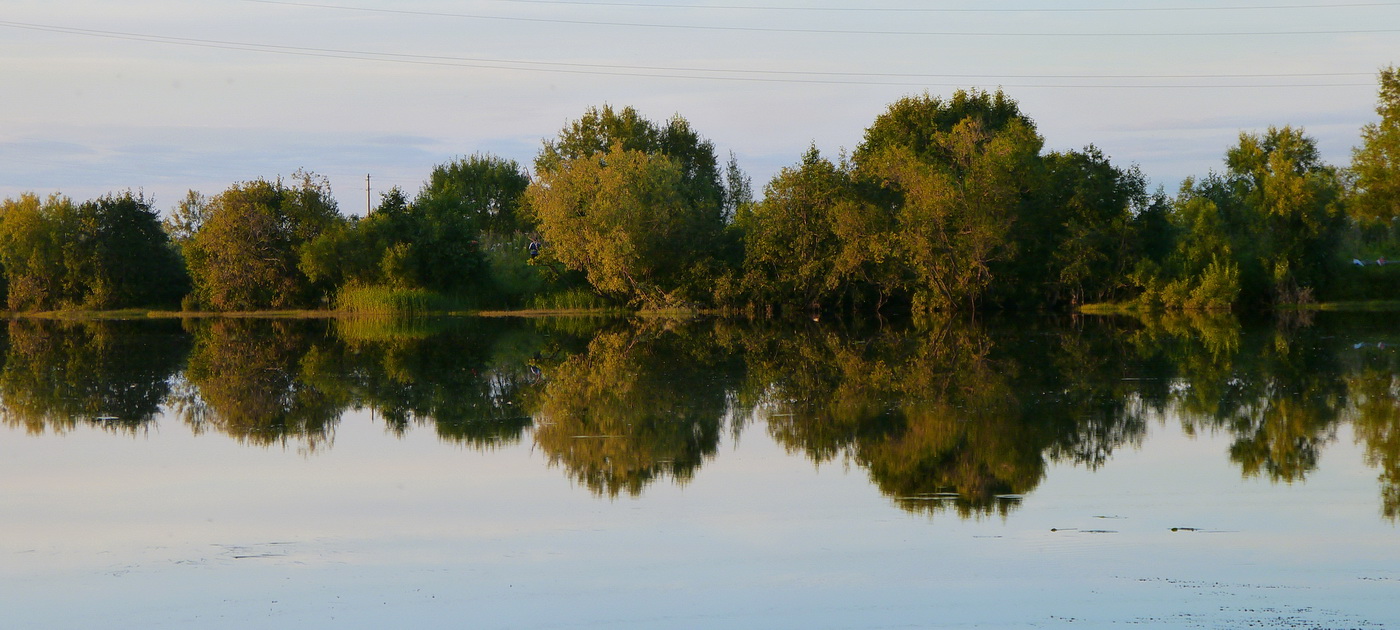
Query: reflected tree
column 1275, row 390
column 245, row 378
column 640, row 404
column 1375, row 389
column 115, row 375
column 942, row 417
column 466, row 379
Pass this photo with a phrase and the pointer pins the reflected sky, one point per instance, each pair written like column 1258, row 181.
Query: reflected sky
column 768, row 501
column 169, row 529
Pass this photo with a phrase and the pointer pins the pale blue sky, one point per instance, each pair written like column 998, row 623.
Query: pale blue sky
column 167, row 95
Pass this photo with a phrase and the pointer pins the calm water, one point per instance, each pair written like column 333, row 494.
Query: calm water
column 499, row 473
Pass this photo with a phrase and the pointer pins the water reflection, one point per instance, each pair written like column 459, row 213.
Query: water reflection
column 946, row 416
column 114, row 375
column 641, row 403
column 247, row 378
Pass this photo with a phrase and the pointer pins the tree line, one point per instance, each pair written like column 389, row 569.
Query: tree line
column 958, row 415
column 947, row 204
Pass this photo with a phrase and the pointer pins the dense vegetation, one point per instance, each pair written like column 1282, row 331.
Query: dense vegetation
column 956, row 415
column 947, row 204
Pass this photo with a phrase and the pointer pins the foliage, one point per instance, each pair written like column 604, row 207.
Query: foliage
column 637, row 207
column 186, row 217
column 955, row 176
column 453, row 239
column 1091, row 230
column 600, row 130
column 620, row 218
column 245, row 255
column 101, row 254
column 791, row 247
column 483, row 191
column 947, row 203
column 1376, row 163
column 510, row 270
column 1266, row 231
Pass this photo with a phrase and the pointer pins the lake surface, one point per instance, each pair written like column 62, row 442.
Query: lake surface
column 612, row 473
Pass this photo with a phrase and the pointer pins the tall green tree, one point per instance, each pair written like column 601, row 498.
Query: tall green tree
column 246, row 253
column 443, row 240
column 620, row 218
column 1296, row 201
column 1265, row 231
column 1090, row 238
column 602, row 128
column 482, row 189
column 105, row 253
column 131, row 259
column 637, row 206
column 1376, row 163
column 955, row 176
column 791, row 247
column 31, row 250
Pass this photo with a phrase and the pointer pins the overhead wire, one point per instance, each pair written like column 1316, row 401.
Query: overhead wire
column 751, row 74
column 869, row 9
column 485, row 62
column 823, row 31
column 680, row 72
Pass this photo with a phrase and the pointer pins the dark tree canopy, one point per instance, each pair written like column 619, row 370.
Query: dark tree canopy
column 483, row 189
column 107, row 253
column 245, row 255
column 916, row 122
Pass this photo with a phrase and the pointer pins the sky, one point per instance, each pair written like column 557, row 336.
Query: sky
column 166, row 96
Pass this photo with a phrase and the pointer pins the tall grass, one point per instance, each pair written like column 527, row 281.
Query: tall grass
column 571, row 299
column 380, row 300
column 387, row 328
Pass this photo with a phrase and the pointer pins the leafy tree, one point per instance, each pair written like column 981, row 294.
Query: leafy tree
column 1093, row 230
column 483, row 190
column 246, row 253
column 1294, row 200
column 955, row 194
column 918, row 123
column 131, row 261
column 373, row 250
column 601, row 129
column 1376, row 163
column 656, row 187
column 738, row 189
column 619, row 218
column 31, row 250
column 1265, row 231
column 105, row 253
column 433, row 242
column 953, row 176
column 186, row 217
column 791, row 247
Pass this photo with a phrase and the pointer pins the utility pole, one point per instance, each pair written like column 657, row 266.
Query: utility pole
column 369, row 207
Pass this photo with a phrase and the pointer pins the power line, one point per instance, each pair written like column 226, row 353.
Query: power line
column 646, row 5
column 821, row 31
column 674, row 72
